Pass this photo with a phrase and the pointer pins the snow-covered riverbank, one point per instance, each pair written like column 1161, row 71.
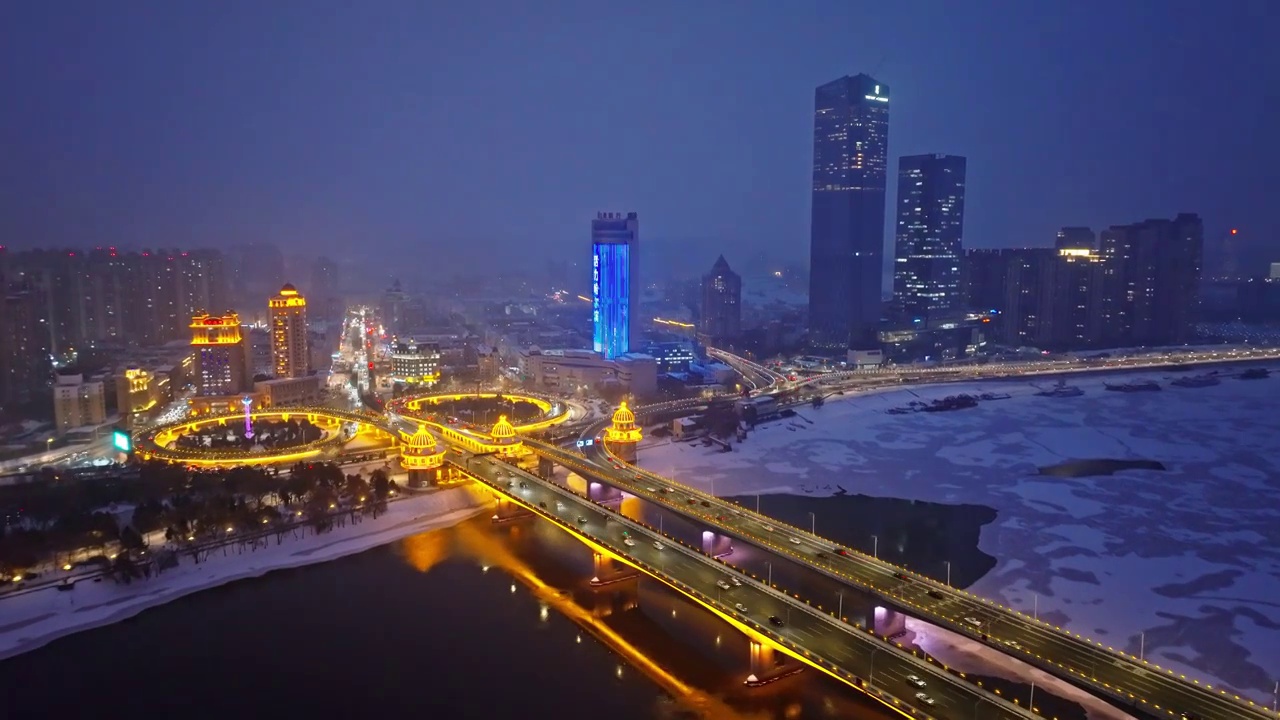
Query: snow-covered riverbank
column 33, row 619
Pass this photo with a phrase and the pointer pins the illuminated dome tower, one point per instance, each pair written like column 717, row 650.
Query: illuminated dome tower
column 504, row 436
column 622, row 436
column 422, row 457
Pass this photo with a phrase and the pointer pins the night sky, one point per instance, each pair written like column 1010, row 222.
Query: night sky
column 475, row 128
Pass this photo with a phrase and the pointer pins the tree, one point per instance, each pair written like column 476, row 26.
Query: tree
column 382, row 484
column 130, row 539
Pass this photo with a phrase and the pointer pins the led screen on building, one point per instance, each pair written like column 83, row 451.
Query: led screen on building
column 121, row 441
column 611, row 298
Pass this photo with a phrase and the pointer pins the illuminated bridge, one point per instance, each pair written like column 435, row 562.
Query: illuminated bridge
column 554, row 410
column 1127, row 681
column 850, row 652
column 156, row 443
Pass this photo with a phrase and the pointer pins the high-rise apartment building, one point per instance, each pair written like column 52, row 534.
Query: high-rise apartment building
column 928, row 241
column 615, row 286
column 984, row 276
column 221, row 356
column 288, row 311
column 78, row 403
column 846, row 241
column 1152, row 280
column 721, row 312
column 107, row 297
column 24, row 347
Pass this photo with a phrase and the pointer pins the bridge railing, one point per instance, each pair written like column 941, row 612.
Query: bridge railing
column 836, row 623
column 1010, row 615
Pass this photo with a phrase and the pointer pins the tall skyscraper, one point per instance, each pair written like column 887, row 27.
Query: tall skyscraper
column 927, row 244
column 846, row 233
column 288, row 310
column 721, row 312
column 221, row 357
column 615, row 286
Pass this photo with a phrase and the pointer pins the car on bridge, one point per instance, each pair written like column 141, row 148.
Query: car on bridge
column 776, row 621
column 723, row 585
column 916, row 680
column 658, row 546
column 922, row 697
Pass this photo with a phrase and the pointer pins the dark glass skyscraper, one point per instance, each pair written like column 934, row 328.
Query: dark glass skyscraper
column 927, row 244
column 615, row 290
column 846, row 232
column 721, row 310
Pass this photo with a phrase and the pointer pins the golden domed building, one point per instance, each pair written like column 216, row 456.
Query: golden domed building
column 504, row 436
column 622, row 436
column 422, row 456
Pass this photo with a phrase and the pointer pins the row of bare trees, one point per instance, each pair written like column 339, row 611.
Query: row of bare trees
column 67, row 522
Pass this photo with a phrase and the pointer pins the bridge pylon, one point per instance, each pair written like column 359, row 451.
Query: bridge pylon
column 769, row 666
column 622, row 436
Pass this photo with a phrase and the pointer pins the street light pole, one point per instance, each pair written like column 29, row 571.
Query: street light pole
column 757, row 503
column 1031, row 702
column 1142, row 646
column 948, row 562
column 770, row 566
column 1035, row 606
column 813, row 524
column 840, row 607
column 875, row 547
column 871, row 673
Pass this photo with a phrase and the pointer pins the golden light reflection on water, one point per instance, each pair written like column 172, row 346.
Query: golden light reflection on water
column 426, row 550
column 476, row 541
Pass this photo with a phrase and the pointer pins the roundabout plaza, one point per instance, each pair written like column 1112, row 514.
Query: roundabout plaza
column 417, row 430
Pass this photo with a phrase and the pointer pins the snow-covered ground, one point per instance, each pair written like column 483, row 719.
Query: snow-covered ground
column 33, row 619
column 1182, row 564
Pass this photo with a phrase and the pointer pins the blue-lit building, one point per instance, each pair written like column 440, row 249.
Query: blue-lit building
column 615, row 289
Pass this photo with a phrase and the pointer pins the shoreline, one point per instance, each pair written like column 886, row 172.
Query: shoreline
column 36, row 619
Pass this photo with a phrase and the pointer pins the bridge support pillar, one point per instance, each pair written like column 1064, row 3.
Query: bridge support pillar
column 716, row 544
column 768, row 666
column 886, row 621
column 602, row 493
column 507, row 511
column 605, row 571
column 546, row 468
column 626, row 451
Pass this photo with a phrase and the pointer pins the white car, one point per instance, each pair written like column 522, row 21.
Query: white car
column 652, row 489
column 973, row 621
column 915, row 680
column 767, row 528
column 658, row 546
column 629, row 542
column 924, row 698
column 1013, row 644
column 795, row 541
column 723, row 585
column 740, row 608
column 736, row 582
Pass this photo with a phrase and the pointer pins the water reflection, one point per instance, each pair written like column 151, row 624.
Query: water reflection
column 683, row 650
